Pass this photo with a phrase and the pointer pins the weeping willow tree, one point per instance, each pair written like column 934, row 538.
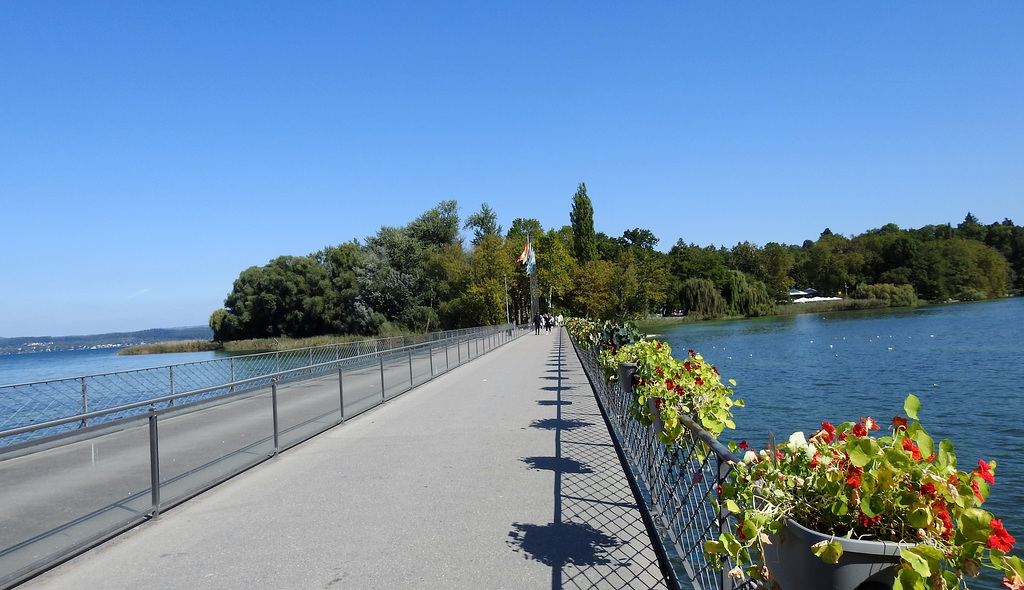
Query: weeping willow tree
column 746, row 297
column 701, row 297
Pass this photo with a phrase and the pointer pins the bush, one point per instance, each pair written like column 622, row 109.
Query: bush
column 897, row 296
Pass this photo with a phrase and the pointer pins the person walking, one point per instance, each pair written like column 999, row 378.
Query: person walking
column 536, row 324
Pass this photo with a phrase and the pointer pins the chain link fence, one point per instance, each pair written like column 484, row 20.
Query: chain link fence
column 678, row 483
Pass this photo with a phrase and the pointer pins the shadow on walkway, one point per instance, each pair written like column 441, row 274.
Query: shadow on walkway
column 597, row 538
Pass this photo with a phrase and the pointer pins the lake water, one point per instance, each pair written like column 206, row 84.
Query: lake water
column 965, row 361
column 42, row 366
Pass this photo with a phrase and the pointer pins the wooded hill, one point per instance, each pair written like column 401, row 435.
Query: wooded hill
column 424, row 277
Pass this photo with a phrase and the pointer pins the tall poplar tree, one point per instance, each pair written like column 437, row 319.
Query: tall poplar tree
column 582, row 219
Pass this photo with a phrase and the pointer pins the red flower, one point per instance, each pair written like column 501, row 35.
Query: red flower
column 977, row 492
column 826, row 435
column 853, row 476
column 899, row 423
column 686, row 365
column 743, row 445
column 869, row 423
column 869, row 522
column 859, row 430
column 943, row 515
column 928, row 490
column 984, row 471
column 911, row 447
column 670, row 384
column 700, row 381
column 659, row 346
column 1000, row 539
column 692, row 353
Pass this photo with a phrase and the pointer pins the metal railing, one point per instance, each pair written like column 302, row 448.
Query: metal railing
column 678, row 483
column 95, row 473
column 29, row 404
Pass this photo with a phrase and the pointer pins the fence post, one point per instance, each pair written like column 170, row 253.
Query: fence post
column 170, row 370
column 381, row 359
column 232, row 359
column 411, row 384
column 430, row 348
column 273, row 402
column 154, row 462
column 341, row 392
column 85, row 405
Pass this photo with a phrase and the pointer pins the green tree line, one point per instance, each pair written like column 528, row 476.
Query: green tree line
column 424, row 276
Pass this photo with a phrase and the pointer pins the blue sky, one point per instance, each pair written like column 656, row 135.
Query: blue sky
column 149, row 152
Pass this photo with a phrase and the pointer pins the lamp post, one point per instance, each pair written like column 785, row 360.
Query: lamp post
column 507, row 319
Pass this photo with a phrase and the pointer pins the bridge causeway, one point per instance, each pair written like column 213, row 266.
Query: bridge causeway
column 498, row 474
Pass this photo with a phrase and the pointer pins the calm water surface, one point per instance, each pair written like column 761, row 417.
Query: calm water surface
column 43, row 366
column 965, row 362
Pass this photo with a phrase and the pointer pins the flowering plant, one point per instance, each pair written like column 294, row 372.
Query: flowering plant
column 584, row 331
column 690, row 387
column 843, row 482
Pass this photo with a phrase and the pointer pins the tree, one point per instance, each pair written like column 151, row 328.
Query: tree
column 592, row 292
column 524, row 227
column 640, row 238
column 700, row 297
column 638, row 285
column 437, row 226
column 484, row 223
column 582, row 219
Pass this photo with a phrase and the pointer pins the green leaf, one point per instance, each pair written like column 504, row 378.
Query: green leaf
column 863, row 451
column 908, row 579
column 924, row 443
column 911, row 406
column 919, row 518
column 840, row 508
column 924, row 559
column 750, row 530
column 947, row 458
column 976, row 524
column 829, row 552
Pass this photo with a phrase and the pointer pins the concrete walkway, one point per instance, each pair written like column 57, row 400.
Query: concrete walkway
column 499, row 474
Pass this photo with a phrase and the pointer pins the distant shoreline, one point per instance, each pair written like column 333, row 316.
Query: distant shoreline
column 38, row 344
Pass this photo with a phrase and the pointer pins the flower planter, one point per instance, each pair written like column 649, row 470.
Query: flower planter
column 865, row 565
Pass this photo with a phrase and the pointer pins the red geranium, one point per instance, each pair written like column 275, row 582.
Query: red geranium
column 1000, row 539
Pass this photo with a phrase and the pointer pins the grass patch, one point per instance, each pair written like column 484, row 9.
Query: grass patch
column 171, row 346
column 257, row 344
column 827, row 306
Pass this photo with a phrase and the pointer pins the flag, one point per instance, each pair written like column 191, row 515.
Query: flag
column 531, row 259
column 526, row 251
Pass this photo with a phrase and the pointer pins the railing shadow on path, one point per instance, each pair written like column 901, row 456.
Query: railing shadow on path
column 597, row 538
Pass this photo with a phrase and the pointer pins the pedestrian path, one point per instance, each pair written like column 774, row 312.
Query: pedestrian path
column 499, row 474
